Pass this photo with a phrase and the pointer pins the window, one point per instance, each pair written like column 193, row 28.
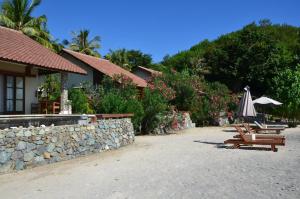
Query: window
column 14, row 98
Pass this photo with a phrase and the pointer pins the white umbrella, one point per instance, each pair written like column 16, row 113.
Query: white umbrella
column 246, row 107
column 266, row 100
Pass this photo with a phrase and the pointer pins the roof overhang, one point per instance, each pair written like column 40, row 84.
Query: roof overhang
column 38, row 66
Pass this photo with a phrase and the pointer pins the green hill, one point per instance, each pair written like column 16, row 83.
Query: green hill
column 251, row 56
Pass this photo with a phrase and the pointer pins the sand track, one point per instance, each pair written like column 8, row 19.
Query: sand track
column 193, row 164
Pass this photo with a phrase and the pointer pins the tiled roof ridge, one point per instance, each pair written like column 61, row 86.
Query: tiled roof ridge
column 10, row 29
column 149, row 70
column 66, row 49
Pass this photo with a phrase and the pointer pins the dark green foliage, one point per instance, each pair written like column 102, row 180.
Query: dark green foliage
column 286, row 87
column 219, row 98
column 154, row 104
column 81, row 43
column 205, row 109
column 183, row 85
column 129, row 59
column 191, row 60
column 51, row 87
column 135, row 106
column 17, row 14
column 114, row 102
column 251, row 56
column 93, row 94
column 203, row 100
column 79, row 100
column 121, row 98
column 200, row 113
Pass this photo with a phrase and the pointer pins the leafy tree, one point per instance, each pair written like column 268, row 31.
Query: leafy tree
column 17, row 14
column 191, row 60
column 183, row 85
column 129, row 59
column 51, row 87
column 119, row 57
column 251, row 56
column 81, row 43
column 286, row 88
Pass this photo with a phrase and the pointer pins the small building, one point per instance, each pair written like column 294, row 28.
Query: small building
column 96, row 69
column 146, row 73
column 23, row 63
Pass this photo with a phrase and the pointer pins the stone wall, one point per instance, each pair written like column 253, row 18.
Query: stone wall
column 22, row 148
column 174, row 122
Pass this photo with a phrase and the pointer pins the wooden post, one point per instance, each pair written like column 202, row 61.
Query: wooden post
column 64, row 103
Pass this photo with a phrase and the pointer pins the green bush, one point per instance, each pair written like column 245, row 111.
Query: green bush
column 136, row 107
column 286, row 88
column 200, row 108
column 205, row 109
column 114, row 102
column 191, row 93
column 154, row 105
column 79, row 101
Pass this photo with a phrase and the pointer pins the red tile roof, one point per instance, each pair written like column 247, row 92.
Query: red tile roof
column 17, row 47
column 106, row 67
column 153, row 72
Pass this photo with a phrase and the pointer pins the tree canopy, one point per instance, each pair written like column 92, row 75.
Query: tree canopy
column 286, row 87
column 251, row 56
column 17, row 14
column 80, row 43
column 129, row 59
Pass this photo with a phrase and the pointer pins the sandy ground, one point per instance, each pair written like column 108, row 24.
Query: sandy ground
column 192, row 164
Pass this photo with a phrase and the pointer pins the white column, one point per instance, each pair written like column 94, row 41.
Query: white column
column 64, row 102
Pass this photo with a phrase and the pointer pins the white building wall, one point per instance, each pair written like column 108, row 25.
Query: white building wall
column 31, row 86
column 74, row 80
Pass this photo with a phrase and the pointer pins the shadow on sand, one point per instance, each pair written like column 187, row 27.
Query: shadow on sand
column 220, row 145
column 217, row 144
column 229, row 130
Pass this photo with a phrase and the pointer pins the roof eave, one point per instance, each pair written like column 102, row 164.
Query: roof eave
column 40, row 66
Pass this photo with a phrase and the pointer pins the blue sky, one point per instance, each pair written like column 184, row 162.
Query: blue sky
column 161, row 27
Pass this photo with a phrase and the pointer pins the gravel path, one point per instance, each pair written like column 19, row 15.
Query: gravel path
column 192, row 164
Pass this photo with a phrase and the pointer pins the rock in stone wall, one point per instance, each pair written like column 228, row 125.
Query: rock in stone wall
column 22, row 148
column 174, row 122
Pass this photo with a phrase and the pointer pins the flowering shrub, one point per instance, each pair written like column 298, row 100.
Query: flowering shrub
column 217, row 98
column 159, row 85
column 203, row 100
column 182, row 91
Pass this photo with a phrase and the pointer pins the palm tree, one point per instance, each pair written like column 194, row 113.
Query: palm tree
column 16, row 14
column 80, row 43
column 119, row 57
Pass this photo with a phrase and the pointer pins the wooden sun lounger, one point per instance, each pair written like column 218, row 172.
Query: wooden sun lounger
column 247, row 140
column 250, row 131
column 257, row 136
column 261, row 128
